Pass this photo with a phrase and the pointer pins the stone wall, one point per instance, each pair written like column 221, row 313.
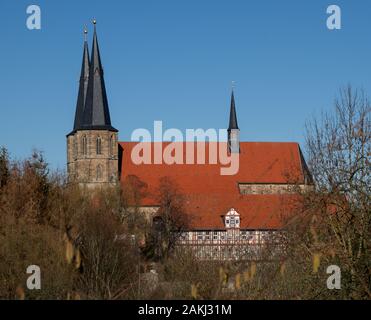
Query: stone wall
column 90, row 162
column 248, row 188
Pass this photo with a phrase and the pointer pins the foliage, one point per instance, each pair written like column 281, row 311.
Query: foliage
column 90, row 244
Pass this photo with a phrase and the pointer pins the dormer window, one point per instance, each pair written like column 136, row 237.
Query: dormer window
column 232, row 219
column 232, row 222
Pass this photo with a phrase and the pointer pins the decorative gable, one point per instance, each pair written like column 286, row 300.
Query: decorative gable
column 232, row 219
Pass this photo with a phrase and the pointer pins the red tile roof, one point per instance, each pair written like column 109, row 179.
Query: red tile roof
column 209, row 195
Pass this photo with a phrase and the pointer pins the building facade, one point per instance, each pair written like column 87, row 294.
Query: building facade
column 231, row 216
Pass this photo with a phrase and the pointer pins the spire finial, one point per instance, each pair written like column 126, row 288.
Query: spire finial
column 85, row 33
column 233, row 84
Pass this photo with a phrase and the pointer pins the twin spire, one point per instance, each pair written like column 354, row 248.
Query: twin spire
column 92, row 112
column 83, row 86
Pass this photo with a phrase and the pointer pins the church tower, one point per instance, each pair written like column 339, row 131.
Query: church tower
column 233, row 131
column 92, row 146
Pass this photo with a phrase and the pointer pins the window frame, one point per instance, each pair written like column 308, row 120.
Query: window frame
column 84, row 142
column 99, row 145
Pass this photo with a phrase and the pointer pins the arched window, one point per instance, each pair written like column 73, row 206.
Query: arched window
column 99, row 145
column 111, row 143
column 99, row 172
column 74, row 147
column 84, row 146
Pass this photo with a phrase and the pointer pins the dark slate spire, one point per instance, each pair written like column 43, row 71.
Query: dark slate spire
column 96, row 112
column 233, row 116
column 233, row 131
column 83, row 87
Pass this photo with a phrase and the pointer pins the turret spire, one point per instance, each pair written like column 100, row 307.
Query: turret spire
column 233, row 130
column 233, row 115
column 96, row 112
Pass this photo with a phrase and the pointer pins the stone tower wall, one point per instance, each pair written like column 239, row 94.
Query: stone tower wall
column 88, row 166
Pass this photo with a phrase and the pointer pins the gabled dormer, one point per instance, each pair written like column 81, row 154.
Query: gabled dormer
column 232, row 219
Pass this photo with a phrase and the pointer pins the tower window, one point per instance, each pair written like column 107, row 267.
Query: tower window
column 84, row 146
column 111, row 142
column 74, row 147
column 99, row 172
column 99, row 145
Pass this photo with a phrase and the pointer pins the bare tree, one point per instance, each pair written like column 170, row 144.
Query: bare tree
column 171, row 219
column 339, row 149
column 107, row 254
column 133, row 191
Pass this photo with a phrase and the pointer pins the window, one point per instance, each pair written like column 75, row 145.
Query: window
column 250, row 236
column 74, row 147
column 99, row 172
column 84, row 146
column 265, row 236
column 111, row 144
column 99, row 145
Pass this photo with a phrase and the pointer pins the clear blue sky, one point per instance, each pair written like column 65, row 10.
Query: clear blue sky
column 174, row 61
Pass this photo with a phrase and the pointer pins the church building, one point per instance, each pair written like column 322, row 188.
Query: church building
column 231, row 215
